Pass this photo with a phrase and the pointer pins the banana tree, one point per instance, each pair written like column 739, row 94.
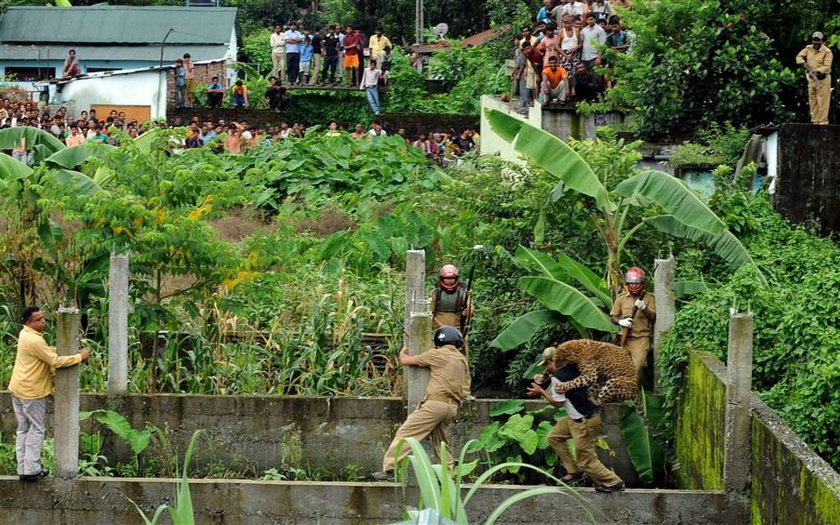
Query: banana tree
column 32, row 240
column 686, row 216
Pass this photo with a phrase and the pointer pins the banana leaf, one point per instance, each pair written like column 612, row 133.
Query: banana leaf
column 541, row 262
column 75, row 182
column 586, row 278
column 12, row 169
column 551, row 154
column 724, row 243
column 561, row 297
column 71, row 157
column 522, row 329
column 688, row 288
column 674, row 196
column 10, row 139
column 646, row 454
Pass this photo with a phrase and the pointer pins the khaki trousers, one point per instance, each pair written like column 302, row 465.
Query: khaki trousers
column 316, row 68
column 278, row 65
column 638, row 348
column 431, row 417
column 819, row 98
column 585, row 434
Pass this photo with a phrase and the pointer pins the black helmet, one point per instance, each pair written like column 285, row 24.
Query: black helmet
column 449, row 335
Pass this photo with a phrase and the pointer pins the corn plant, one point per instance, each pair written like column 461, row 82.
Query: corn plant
column 441, row 485
column 182, row 513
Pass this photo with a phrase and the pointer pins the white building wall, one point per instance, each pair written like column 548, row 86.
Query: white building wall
column 136, row 89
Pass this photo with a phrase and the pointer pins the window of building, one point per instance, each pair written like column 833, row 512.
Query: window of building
column 29, row 74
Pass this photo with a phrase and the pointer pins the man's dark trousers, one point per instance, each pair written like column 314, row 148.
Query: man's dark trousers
column 292, row 66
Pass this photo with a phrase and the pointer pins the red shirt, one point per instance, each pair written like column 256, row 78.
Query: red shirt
column 352, row 40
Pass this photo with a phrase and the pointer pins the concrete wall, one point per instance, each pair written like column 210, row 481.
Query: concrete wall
column 216, row 502
column 562, row 122
column 791, row 485
column 808, row 189
column 249, row 433
column 137, row 89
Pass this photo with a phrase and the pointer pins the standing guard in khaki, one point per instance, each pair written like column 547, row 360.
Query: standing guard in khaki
column 816, row 59
column 449, row 383
column 452, row 303
column 635, row 312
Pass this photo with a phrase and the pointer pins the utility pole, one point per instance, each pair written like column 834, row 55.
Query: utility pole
column 418, row 25
column 67, row 396
column 418, row 321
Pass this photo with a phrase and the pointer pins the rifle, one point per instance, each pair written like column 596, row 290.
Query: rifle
column 466, row 320
column 626, row 332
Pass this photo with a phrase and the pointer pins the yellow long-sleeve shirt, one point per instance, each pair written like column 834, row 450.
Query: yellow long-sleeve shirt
column 31, row 376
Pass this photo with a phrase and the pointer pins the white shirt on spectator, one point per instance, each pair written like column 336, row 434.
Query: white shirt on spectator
column 574, row 8
column 382, row 133
column 561, row 398
column 370, row 78
column 278, row 43
column 293, row 35
column 591, row 35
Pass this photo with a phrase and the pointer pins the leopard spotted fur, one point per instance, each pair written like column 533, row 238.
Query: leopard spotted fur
column 605, row 369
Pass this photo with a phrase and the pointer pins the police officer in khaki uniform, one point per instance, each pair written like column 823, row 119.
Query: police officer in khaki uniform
column 816, row 59
column 634, row 311
column 448, row 384
column 582, row 424
column 452, row 302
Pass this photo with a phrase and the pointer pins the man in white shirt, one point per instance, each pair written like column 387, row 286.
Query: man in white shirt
column 294, row 39
column 278, row 54
column 574, row 8
column 370, row 84
column 376, row 130
column 582, row 424
column 592, row 34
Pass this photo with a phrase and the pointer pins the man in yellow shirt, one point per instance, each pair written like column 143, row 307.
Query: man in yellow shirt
column 816, row 59
column 30, row 385
column 378, row 43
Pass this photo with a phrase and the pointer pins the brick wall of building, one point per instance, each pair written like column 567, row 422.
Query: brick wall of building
column 203, row 74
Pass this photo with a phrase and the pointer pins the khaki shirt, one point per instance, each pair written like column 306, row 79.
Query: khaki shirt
column 623, row 307
column 819, row 61
column 31, row 376
column 450, row 373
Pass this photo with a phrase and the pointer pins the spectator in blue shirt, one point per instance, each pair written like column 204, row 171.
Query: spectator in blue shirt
column 294, row 39
column 305, row 60
column 180, row 84
column 215, row 93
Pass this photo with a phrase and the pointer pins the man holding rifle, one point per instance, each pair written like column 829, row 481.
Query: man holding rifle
column 452, row 302
column 634, row 311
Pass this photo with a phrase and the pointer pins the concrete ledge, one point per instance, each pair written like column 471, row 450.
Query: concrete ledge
column 218, row 502
column 249, row 433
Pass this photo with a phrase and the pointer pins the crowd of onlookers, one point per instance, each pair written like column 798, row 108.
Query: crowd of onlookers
column 304, row 58
column 445, row 147
column 230, row 136
column 562, row 58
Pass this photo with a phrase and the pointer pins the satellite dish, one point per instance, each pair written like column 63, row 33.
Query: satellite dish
column 441, row 29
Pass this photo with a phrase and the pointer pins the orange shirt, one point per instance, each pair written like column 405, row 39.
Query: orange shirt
column 554, row 77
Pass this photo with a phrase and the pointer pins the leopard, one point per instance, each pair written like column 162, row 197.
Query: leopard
column 606, row 370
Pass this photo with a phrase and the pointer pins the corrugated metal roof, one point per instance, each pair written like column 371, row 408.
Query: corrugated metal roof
column 112, row 53
column 117, row 25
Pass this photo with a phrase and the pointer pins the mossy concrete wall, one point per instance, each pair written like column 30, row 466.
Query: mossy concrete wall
column 700, row 425
column 216, row 502
column 791, row 485
column 249, row 434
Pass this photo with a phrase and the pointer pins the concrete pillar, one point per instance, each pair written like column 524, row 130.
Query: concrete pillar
column 418, row 322
column 663, row 292
column 67, row 396
column 118, row 325
column 737, row 449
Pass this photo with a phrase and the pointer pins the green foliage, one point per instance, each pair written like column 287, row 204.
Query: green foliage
column 715, row 146
column 441, row 486
column 319, row 108
column 794, row 352
column 695, row 63
column 646, row 453
column 257, row 45
column 182, row 513
column 137, row 439
column 469, row 73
